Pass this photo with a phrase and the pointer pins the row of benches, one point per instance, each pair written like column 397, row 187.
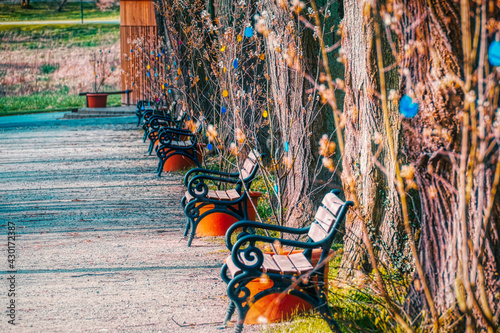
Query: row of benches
column 301, row 274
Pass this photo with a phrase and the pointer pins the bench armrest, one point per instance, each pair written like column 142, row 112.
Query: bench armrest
column 245, row 224
column 201, row 171
column 199, row 189
column 175, row 131
column 246, row 247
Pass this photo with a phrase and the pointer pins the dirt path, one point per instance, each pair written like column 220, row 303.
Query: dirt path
column 99, row 245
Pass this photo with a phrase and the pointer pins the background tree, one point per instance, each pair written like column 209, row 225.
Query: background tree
column 25, row 4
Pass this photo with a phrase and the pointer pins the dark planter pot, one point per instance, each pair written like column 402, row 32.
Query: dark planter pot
column 97, row 100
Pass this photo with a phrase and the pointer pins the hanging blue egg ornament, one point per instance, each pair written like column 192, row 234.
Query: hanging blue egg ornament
column 152, row 53
column 175, row 63
column 142, row 108
column 112, row 69
column 147, row 73
column 109, row 51
column 276, row 188
column 286, row 146
column 235, row 63
column 131, row 51
column 494, row 53
column 248, row 32
column 407, row 107
column 223, row 110
column 209, row 146
column 156, row 74
column 169, row 91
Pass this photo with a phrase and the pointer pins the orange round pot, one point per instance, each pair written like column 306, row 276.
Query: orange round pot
column 277, row 307
column 180, row 162
column 216, row 224
column 97, row 100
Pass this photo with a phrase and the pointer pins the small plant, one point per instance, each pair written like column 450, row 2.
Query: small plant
column 49, row 68
column 102, row 68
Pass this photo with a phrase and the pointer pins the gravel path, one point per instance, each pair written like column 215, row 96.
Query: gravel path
column 98, row 246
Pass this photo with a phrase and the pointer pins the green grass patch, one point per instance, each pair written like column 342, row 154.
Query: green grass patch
column 42, row 11
column 48, row 68
column 306, row 323
column 58, row 35
column 46, row 101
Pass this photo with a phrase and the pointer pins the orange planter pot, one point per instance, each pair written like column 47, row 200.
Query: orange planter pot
column 278, row 307
column 97, row 100
column 216, row 224
column 179, row 162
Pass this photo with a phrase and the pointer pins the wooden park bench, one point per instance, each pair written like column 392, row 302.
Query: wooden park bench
column 293, row 274
column 177, row 142
column 109, row 93
column 144, row 110
column 232, row 201
column 157, row 122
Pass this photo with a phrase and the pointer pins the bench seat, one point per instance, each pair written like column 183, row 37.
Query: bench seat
column 292, row 264
column 217, row 195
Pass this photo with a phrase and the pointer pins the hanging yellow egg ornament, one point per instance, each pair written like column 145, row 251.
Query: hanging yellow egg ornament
column 264, row 114
column 223, row 48
column 225, row 93
column 179, row 71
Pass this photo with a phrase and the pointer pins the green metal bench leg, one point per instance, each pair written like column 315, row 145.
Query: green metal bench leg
column 151, row 145
column 230, row 312
column 188, row 224
column 327, row 314
column 159, row 169
column 191, row 236
column 239, row 326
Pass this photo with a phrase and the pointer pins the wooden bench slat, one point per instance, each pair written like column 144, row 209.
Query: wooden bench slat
column 284, row 264
column 325, row 218
column 254, row 156
column 316, row 232
column 244, row 174
column 189, row 197
column 233, row 194
column 222, row 195
column 232, row 267
column 249, row 165
column 333, row 203
column 269, row 265
column 212, row 195
column 300, row 262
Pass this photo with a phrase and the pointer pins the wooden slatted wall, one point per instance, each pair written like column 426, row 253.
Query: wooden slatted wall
column 137, row 22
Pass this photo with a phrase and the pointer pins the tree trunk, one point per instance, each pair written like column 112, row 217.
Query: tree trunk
column 25, row 4
column 293, row 114
column 453, row 226
column 377, row 196
column 61, row 5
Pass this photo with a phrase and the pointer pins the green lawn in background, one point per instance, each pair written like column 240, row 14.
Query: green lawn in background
column 46, row 101
column 67, row 35
column 44, row 11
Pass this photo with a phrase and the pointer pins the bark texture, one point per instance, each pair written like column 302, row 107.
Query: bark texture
column 377, row 196
column 454, row 229
column 287, row 90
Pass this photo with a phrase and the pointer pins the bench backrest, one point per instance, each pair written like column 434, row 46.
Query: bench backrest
column 250, row 165
column 326, row 217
